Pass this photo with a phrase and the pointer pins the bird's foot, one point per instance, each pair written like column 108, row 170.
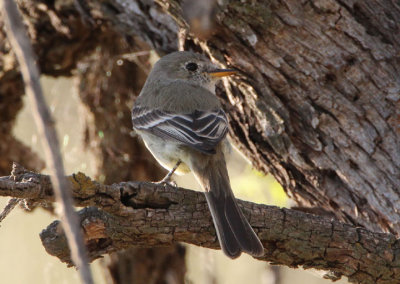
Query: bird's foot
column 168, row 178
column 167, row 182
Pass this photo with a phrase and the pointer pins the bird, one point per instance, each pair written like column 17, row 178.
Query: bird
column 182, row 123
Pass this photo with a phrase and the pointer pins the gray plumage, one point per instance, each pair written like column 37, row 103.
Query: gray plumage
column 180, row 119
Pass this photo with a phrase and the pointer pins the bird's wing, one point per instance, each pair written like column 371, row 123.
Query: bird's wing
column 200, row 130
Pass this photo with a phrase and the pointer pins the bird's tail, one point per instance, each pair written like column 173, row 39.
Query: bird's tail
column 234, row 232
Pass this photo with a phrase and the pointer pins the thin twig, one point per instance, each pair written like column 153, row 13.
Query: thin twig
column 9, row 207
column 22, row 47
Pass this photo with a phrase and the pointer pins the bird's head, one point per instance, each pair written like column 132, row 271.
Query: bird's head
column 191, row 67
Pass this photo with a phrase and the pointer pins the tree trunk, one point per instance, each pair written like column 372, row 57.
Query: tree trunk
column 318, row 103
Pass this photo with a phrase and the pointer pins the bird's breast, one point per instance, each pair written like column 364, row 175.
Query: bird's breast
column 167, row 153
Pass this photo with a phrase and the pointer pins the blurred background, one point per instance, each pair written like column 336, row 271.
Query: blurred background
column 20, row 246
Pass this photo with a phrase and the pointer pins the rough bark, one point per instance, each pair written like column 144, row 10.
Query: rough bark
column 319, row 103
column 140, row 214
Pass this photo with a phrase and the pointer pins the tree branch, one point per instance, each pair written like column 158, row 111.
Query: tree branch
column 143, row 214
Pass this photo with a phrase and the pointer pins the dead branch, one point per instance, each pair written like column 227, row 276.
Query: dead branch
column 143, row 214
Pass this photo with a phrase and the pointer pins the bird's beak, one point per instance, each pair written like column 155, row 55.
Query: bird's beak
column 218, row 73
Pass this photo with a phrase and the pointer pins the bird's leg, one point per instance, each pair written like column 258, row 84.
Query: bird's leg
column 167, row 178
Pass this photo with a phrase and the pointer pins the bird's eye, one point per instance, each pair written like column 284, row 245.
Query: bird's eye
column 191, row 66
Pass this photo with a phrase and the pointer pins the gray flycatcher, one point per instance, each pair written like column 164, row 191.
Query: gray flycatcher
column 181, row 122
